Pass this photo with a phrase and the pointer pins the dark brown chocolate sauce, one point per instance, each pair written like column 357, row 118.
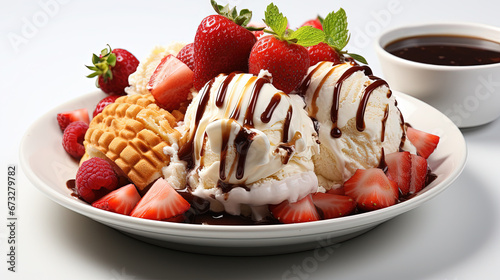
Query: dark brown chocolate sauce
column 227, row 187
column 269, row 111
column 289, row 147
column 360, row 114
column 448, row 50
column 307, row 81
column 221, row 94
column 335, row 131
column 248, row 121
column 186, row 151
column 244, row 138
column 71, row 184
column 202, row 151
column 382, row 163
column 286, row 124
column 237, row 109
column 242, row 143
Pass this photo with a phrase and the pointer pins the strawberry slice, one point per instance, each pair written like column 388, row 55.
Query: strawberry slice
column 64, row 119
column 425, row 142
column 171, row 82
column 371, row 189
column 418, row 173
column 297, row 212
column 399, row 170
column 336, row 190
column 161, row 203
column 333, row 205
column 120, row 201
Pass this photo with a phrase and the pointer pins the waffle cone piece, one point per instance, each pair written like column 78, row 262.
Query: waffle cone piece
column 131, row 133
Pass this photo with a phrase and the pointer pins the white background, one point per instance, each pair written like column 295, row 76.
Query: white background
column 44, row 46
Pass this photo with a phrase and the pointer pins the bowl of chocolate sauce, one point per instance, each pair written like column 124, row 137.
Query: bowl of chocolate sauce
column 455, row 67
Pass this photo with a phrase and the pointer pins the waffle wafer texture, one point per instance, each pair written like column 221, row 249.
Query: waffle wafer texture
column 131, row 133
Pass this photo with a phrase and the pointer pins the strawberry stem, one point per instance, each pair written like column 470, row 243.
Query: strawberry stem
column 242, row 19
column 102, row 64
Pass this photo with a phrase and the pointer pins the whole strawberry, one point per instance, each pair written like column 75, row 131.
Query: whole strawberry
column 283, row 54
column 323, row 52
column 112, row 68
column 316, row 23
column 222, row 44
column 186, row 55
column 103, row 103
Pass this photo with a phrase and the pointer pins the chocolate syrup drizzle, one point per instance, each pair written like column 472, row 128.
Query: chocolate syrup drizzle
column 199, row 212
column 269, row 111
column 335, row 131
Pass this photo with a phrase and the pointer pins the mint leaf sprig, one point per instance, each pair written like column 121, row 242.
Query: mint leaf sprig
column 337, row 35
column 305, row 36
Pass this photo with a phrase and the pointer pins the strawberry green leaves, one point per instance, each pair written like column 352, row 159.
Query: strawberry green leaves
column 335, row 32
column 337, row 35
column 102, row 64
column 242, row 19
column 305, row 36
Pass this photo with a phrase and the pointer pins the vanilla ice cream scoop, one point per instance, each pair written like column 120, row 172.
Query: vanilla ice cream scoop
column 249, row 145
column 357, row 119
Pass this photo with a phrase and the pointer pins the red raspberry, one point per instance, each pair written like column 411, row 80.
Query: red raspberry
column 95, row 178
column 73, row 137
column 103, row 103
column 186, row 55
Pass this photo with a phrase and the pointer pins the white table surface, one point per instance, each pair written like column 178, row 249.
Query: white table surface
column 44, row 46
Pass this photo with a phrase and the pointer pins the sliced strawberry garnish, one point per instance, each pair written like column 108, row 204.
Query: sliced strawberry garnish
column 120, row 201
column 64, row 119
column 399, row 170
column 161, row 203
column 171, row 82
column 371, row 189
column 333, row 205
column 418, row 173
column 425, row 142
column 339, row 190
column 297, row 212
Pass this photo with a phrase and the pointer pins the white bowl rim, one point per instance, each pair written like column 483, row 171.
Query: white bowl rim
column 244, row 231
column 426, row 26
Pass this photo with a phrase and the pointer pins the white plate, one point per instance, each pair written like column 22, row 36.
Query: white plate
column 49, row 167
